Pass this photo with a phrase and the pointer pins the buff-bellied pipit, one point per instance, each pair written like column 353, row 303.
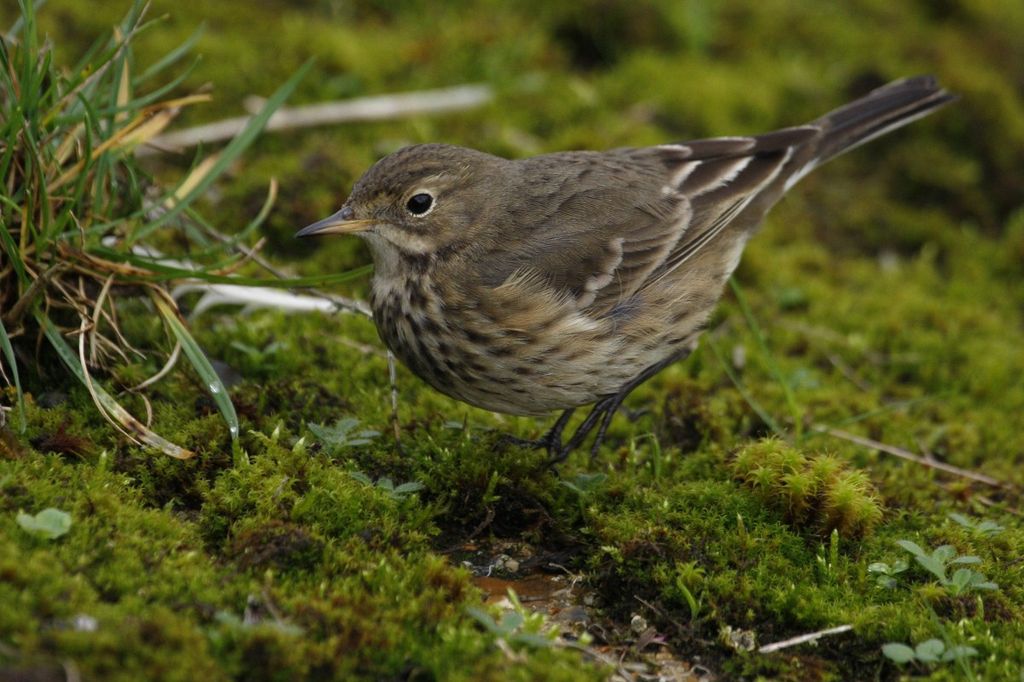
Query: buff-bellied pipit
column 567, row 279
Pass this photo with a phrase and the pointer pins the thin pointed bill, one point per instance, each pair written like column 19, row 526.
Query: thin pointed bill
column 339, row 223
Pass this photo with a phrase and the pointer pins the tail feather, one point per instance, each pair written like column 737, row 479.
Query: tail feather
column 880, row 111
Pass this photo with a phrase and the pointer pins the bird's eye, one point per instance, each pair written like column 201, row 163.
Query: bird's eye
column 419, row 204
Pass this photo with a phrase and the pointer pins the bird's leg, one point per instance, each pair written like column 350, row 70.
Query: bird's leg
column 605, row 409
column 600, row 408
column 605, row 421
column 550, row 441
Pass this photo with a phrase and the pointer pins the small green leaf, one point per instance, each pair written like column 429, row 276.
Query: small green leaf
column 879, row 567
column 409, row 487
column 929, row 651
column 912, row 547
column 989, row 528
column 898, row 653
column 341, row 435
column 933, row 566
column 983, row 527
column 584, row 483
column 201, row 364
column 361, row 477
column 961, row 580
column 966, row 560
column 957, row 652
column 962, row 520
column 510, row 621
column 50, row 523
column 484, row 619
column 944, row 553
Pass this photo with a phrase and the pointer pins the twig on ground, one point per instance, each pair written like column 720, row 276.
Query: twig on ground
column 909, row 456
column 361, row 109
column 488, row 518
column 262, row 297
column 802, row 639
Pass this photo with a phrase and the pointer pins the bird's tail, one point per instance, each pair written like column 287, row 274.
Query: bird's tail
column 880, row 111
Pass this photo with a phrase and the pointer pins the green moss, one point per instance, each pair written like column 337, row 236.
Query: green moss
column 887, row 288
column 816, row 492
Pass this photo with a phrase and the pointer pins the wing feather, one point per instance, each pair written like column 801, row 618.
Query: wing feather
column 641, row 213
column 598, row 227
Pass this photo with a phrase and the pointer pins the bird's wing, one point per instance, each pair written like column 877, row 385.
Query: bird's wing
column 602, row 224
column 724, row 176
column 593, row 226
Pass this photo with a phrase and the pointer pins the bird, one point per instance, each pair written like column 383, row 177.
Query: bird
column 544, row 284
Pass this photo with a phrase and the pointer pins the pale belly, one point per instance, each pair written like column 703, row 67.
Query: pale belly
column 496, row 362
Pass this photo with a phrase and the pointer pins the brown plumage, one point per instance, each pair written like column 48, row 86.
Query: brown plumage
column 547, row 283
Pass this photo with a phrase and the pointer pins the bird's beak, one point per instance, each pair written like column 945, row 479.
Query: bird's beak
column 341, row 222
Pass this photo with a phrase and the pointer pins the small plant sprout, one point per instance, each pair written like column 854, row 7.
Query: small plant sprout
column 929, row 651
column 983, row 527
column 342, row 435
column 584, row 484
column 938, row 561
column 259, row 356
column 886, row 574
column 687, row 578
column 239, row 456
column 520, row 626
column 275, row 435
column 741, row 531
column 395, row 492
column 657, row 458
column 827, row 560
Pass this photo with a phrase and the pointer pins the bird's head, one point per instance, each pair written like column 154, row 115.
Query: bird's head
column 418, row 201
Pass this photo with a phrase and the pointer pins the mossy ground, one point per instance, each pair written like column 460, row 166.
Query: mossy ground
column 888, row 288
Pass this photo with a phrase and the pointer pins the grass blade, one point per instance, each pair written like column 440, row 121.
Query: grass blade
column 171, row 57
column 754, row 405
column 8, row 245
column 230, row 153
column 5, row 345
column 199, row 361
column 110, row 408
column 769, row 359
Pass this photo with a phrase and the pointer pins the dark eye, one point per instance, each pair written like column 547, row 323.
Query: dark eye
column 419, row 204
